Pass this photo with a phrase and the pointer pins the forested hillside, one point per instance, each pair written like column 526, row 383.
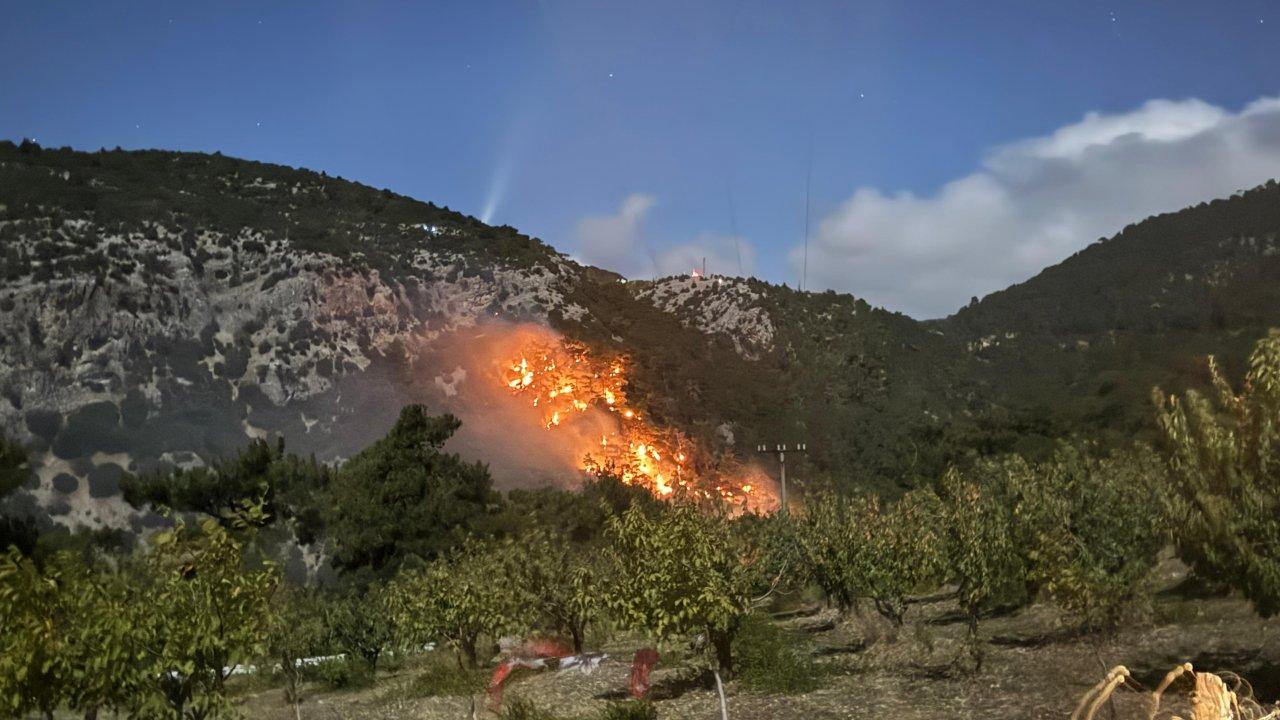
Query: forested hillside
column 161, row 309
column 1081, row 344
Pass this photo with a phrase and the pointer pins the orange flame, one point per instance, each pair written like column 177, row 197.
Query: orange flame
column 564, row 380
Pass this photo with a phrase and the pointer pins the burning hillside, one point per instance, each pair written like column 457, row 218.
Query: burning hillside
column 566, row 381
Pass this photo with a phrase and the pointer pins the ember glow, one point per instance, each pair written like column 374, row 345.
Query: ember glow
column 565, row 380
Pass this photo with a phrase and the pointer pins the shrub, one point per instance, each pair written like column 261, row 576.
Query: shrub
column 343, row 673
column 521, row 709
column 629, row 710
column 770, row 659
column 441, row 675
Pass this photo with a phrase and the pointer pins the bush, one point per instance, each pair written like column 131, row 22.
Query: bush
column 521, row 709
column 770, row 659
column 340, row 673
column 441, row 675
column 629, row 710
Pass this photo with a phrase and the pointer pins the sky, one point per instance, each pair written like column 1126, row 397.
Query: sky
column 935, row 151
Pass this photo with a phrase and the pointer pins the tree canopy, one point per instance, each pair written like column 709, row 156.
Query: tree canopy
column 1225, row 461
column 285, row 484
column 403, row 497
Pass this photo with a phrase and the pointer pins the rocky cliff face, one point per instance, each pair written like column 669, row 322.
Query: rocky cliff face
column 131, row 343
column 164, row 308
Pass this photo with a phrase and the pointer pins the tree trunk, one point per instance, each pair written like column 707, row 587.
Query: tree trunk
column 975, row 648
column 577, row 632
column 469, row 651
column 91, row 713
column 722, row 642
column 892, row 610
column 289, row 667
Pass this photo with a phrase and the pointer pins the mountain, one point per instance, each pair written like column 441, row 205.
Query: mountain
column 161, row 308
column 1085, row 341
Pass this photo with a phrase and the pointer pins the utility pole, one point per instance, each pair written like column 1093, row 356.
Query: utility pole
column 782, row 450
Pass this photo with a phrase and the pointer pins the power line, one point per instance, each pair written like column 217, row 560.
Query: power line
column 808, row 177
column 781, row 451
column 733, row 228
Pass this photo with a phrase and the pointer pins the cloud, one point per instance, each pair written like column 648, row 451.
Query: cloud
column 1036, row 201
column 616, row 241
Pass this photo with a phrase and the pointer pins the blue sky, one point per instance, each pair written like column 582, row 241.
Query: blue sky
column 620, row 131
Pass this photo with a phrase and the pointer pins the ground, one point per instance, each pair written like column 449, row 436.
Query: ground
column 1033, row 668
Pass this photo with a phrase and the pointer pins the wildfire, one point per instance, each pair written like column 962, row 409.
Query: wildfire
column 565, row 380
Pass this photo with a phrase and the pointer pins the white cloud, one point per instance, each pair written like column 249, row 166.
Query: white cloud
column 1036, row 201
column 616, row 241
column 723, row 254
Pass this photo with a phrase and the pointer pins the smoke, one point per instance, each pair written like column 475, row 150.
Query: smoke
column 466, row 373
column 462, row 373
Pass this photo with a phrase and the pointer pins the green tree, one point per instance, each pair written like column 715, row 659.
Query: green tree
column 297, row 630
column 681, row 571
column 579, row 516
column 286, row 485
column 203, row 613
column 402, row 497
column 13, row 466
column 856, row 548
column 828, row 541
column 779, row 559
column 15, row 531
column 1224, row 458
column 562, row 584
column 362, row 625
column 68, row 638
column 35, row 669
column 1090, row 528
column 980, row 551
column 461, row 596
